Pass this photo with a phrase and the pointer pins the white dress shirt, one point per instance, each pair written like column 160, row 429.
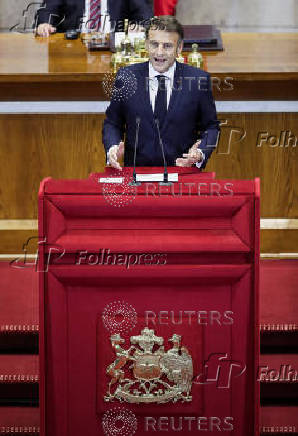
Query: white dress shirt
column 153, row 83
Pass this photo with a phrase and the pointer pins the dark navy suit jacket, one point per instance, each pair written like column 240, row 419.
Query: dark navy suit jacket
column 133, row 9
column 191, row 116
column 69, row 12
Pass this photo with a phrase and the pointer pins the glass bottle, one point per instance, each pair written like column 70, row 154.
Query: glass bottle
column 195, row 58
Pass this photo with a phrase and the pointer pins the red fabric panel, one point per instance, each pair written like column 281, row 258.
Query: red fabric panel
column 164, row 7
column 274, row 417
column 21, row 420
column 78, row 347
column 209, row 240
column 279, row 296
column 18, row 297
column 168, row 223
column 75, row 345
column 19, row 294
column 19, row 369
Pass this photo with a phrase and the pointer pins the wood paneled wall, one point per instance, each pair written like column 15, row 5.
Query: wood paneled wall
column 37, row 146
column 239, row 156
column 69, row 146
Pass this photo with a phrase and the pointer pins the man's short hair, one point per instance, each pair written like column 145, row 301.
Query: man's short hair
column 167, row 23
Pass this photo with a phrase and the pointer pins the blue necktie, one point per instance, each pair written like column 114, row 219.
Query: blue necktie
column 161, row 101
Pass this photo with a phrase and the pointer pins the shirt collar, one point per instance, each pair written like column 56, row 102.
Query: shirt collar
column 169, row 74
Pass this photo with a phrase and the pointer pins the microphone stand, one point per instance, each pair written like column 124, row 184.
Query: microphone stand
column 165, row 174
column 134, row 182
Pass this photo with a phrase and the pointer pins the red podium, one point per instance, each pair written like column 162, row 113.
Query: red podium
column 149, row 305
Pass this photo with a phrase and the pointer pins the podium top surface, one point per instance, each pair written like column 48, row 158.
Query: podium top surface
column 189, row 181
column 194, row 215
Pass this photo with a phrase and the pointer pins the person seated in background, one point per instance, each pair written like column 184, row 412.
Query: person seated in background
column 63, row 15
column 135, row 10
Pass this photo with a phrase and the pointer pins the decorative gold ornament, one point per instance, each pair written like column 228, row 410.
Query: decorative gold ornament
column 159, row 376
column 126, row 45
column 142, row 49
column 180, row 58
column 195, row 58
column 116, row 59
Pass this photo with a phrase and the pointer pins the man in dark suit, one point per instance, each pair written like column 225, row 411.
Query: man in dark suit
column 164, row 94
column 61, row 15
column 134, row 10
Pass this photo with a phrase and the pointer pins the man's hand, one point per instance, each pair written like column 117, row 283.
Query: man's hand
column 115, row 153
column 45, row 29
column 190, row 158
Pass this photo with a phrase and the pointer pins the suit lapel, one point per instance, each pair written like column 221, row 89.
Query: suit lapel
column 144, row 91
column 176, row 92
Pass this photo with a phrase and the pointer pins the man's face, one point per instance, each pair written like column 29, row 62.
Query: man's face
column 163, row 49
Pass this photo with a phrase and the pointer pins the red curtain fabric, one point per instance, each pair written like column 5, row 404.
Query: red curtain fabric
column 164, row 7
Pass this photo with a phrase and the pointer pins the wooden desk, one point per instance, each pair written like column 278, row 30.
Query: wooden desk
column 261, row 66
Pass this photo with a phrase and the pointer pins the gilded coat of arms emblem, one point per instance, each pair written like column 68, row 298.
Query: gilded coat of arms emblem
column 146, row 373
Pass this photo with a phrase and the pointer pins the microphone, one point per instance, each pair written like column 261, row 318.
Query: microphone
column 165, row 174
column 135, row 183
